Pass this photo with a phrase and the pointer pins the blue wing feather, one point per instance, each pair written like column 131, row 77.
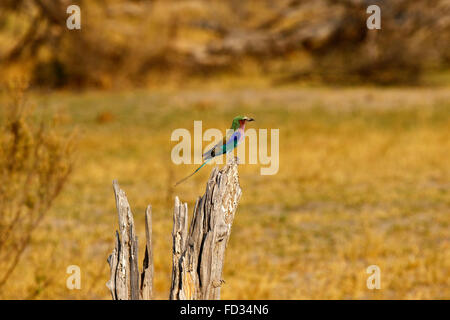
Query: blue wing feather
column 232, row 142
column 218, row 149
column 223, row 147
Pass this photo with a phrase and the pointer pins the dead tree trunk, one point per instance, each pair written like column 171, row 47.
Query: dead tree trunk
column 198, row 253
column 125, row 282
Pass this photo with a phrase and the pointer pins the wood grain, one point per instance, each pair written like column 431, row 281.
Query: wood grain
column 198, row 252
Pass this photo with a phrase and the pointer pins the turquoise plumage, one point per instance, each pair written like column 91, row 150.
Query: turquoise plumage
column 226, row 145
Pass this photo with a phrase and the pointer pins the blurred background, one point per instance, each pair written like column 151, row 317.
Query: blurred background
column 129, row 43
column 364, row 118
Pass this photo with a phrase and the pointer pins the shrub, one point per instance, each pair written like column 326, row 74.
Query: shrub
column 35, row 163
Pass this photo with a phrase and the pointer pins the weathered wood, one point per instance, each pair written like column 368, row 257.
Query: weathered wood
column 147, row 268
column 124, row 282
column 179, row 236
column 112, row 261
column 198, row 255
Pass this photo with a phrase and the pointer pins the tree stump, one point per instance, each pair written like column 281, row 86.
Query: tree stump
column 125, row 282
column 198, row 252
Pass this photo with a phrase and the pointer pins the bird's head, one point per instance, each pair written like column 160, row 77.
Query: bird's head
column 240, row 121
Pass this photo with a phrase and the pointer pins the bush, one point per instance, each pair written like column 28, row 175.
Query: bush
column 35, row 163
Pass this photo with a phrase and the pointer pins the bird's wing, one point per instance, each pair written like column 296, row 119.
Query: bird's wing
column 216, row 150
column 226, row 145
column 233, row 141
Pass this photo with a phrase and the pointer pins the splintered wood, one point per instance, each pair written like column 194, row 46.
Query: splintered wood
column 198, row 252
column 126, row 283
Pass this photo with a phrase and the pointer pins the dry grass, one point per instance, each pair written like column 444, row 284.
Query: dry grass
column 364, row 179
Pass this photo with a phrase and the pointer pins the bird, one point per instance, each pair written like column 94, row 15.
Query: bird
column 236, row 136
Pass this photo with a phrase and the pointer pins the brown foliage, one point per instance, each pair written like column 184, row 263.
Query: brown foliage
column 35, row 162
column 132, row 41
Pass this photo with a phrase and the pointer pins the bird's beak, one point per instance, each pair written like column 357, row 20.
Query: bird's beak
column 250, row 119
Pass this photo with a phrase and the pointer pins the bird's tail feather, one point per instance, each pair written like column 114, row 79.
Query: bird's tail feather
column 185, row 178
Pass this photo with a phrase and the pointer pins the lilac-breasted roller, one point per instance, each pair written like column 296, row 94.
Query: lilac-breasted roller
column 226, row 145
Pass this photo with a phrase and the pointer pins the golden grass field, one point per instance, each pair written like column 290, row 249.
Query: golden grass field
column 364, row 179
